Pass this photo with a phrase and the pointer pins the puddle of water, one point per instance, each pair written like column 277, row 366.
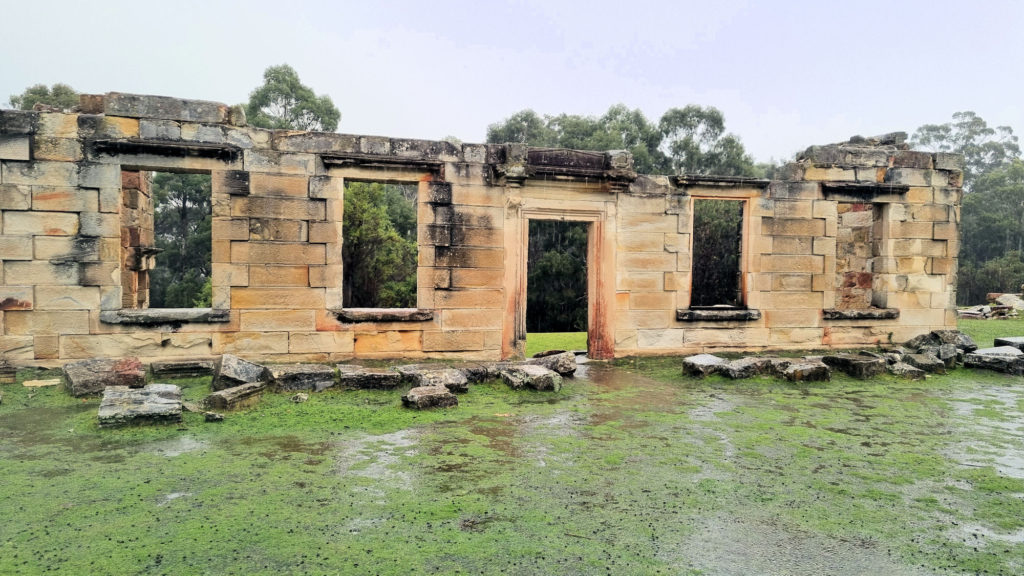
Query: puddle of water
column 376, row 456
column 168, row 498
column 173, row 446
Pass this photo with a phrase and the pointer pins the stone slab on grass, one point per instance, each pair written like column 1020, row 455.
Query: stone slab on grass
column 927, row 362
column 152, row 404
column 904, row 370
column 295, row 377
column 182, row 368
column 358, row 377
column 564, row 362
column 702, row 365
column 807, row 371
column 1013, row 341
column 425, row 397
column 1001, row 359
column 532, row 376
column 87, row 377
column 236, row 397
column 855, row 365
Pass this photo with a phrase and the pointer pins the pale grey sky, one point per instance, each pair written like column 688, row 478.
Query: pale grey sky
column 786, row 74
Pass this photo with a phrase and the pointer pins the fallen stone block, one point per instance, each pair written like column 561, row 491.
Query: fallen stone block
column 153, row 404
column 424, row 397
column 948, row 353
column 562, row 362
column 358, row 377
column 1012, row 300
column 213, row 416
column 920, row 341
column 478, row 372
column 182, row 368
column 236, row 397
column 293, row 377
column 807, row 371
column 746, row 367
column 1001, row 359
column 702, row 365
column 532, row 376
column 1013, row 341
column 233, row 371
column 855, row 365
column 956, row 338
column 927, row 362
column 300, row 397
column 452, row 379
column 87, row 377
column 904, row 370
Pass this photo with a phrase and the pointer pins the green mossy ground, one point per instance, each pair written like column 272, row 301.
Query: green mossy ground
column 630, row 469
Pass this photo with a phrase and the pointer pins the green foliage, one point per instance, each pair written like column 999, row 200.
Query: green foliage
column 182, row 226
column 59, row 96
column 717, row 234
column 992, row 221
column 690, row 139
column 556, row 298
column 984, row 148
column 543, row 341
column 283, row 102
column 379, row 250
column 696, row 143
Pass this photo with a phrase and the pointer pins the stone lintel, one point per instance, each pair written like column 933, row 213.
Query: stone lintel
column 157, row 316
column 685, row 180
column 717, row 314
column 860, row 314
column 861, row 190
column 224, row 152
column 384, row 314
column 381, row 161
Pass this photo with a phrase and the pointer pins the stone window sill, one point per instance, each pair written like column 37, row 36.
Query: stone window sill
column 861, row 314
column 155, row 316
column 353, row 315
column 718, row 315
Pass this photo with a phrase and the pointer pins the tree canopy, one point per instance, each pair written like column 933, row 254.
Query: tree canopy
column 59, row 96
column 379, row 250
column 984, row 148
column 690, row 139
column 182, row 226
column 283, row 102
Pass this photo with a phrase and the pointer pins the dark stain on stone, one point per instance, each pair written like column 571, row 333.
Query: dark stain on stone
column 14, row 304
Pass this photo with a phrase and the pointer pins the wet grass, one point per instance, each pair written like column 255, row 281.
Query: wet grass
column 985, row 331
column 542, row 341
column 631, row 469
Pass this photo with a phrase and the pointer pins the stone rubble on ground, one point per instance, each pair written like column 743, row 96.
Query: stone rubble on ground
column 358, row 377
column 241, row 396
column 152, row 404
column 295, row 377
column 1006, row 359
column 532, row 376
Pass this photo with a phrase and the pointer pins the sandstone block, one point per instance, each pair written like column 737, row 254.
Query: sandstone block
column 236, row 397
column 182, row 368
column 703, row 365
column 233, row 371
column 564, row 363
column 39, row 173
column 16, row 247
column 43, row 223
column 163, row 107
column 154, row 404
column 425, row 397
column 295, row 377
column 15, row 147
column 532, row 376
column 13, row 197
column 280, row 208
column 92, row 376
column 362, row 378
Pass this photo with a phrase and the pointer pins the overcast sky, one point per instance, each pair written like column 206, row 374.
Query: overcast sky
column 785, row 74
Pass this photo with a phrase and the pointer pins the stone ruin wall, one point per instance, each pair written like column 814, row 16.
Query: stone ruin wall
column 856, row 246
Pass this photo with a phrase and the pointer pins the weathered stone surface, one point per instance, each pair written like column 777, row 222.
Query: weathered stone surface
column 907, row 371
column 1012, row 341
column 564, row 362
column 860, row 314
column 182, row 368
column 926, row 362
column 532, row 376
column 1011, row 300
column 723, row 314
column 384, row 315
column 948, row 354
column 234, row 371
column 292, row 377
column 921, row 340
column 807, row 371
column 452, row 379
column 163, row 107
column 956, row 338
column 702, row 365
column 746, row 367
column 161, row 316
column 153, row 404
column 87, row 377
column 213, row 417
column 368, row 378
column 236, row 397
column 862, row 367
column 480, row 372
column 1001, row 359
column 424, row 397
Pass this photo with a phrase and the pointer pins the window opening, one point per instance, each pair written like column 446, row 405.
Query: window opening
column 379, row 245
column 717, row 248
column 855, row 250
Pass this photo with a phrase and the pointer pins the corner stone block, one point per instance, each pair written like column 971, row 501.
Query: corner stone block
column 947, row 161
column 99, row 176
column 325, row 187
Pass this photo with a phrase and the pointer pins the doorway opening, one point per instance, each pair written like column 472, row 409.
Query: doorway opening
column 556, row 286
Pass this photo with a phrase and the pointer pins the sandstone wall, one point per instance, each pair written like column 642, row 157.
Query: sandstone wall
column 856, row 246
